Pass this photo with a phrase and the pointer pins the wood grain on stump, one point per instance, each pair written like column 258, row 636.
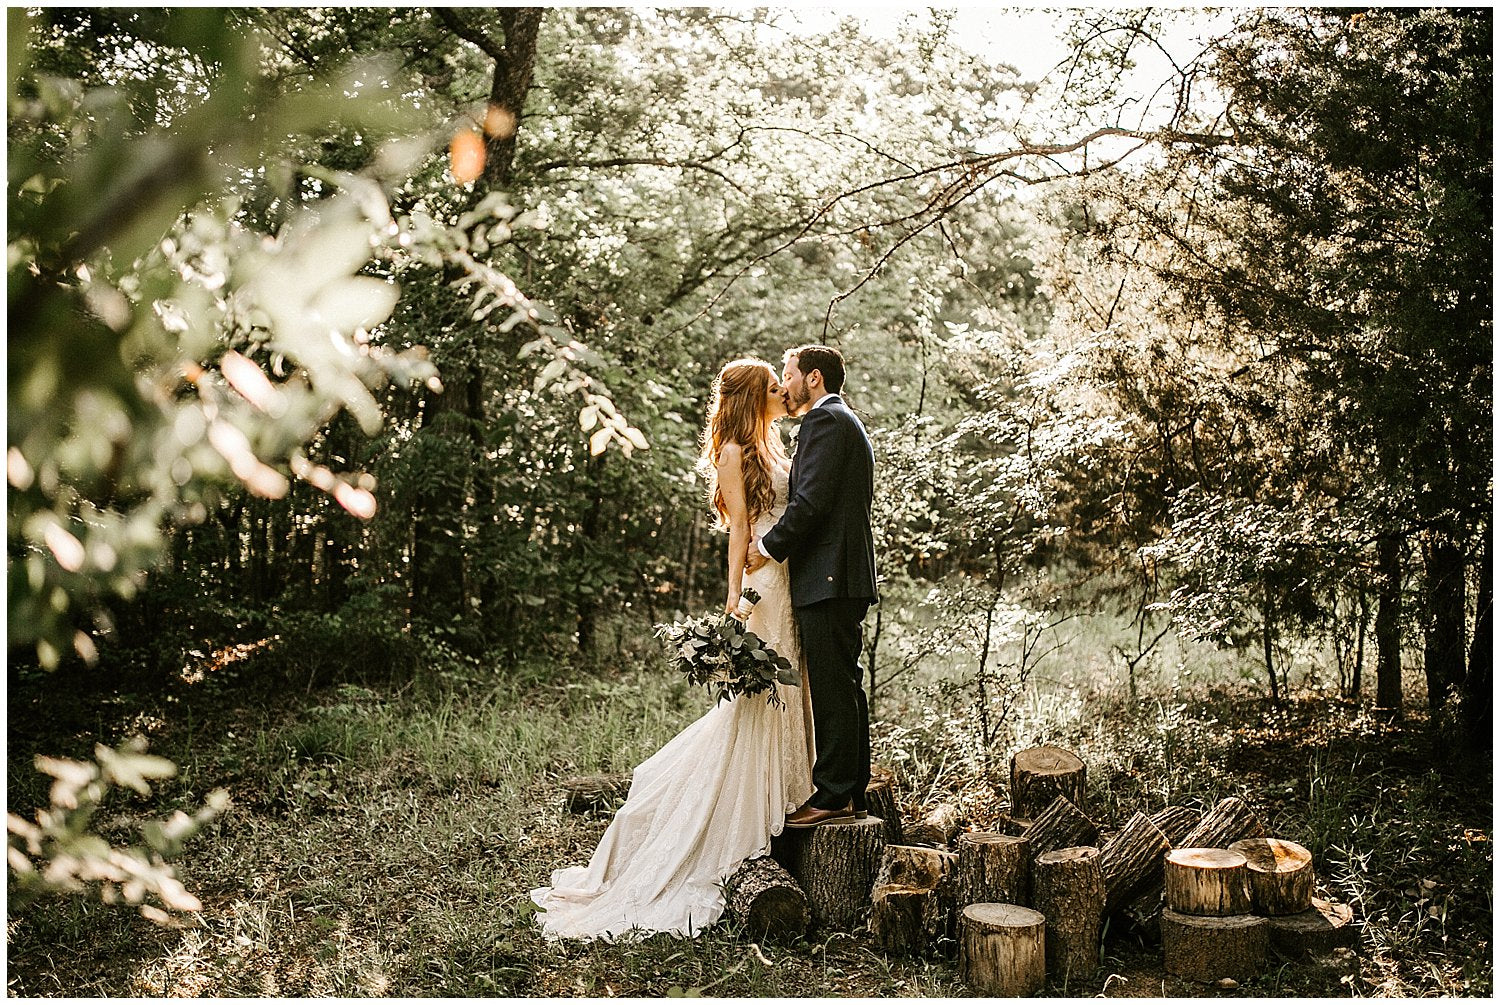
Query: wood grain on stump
column 1176, row 822
column 1209, row 882
column 993, row 869
column 1317, row 931
column 1060, row 825
column 930, row 869
column 1131, row 861
column 1039, row 775
column 835, row 865
column 1068, row 889
column 1229, row 820
column 1002, row 950
column 1209, row 949
column 936, row 828
column 1280, row 873
column 767, row 900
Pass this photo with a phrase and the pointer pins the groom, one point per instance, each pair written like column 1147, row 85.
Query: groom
column 825, row 537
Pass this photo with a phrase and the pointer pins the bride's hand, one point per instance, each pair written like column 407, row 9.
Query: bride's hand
column 731, row 606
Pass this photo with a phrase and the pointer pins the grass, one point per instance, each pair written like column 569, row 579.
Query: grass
column 385, row 833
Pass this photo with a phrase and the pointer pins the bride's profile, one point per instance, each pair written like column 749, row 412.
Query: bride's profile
column 717, row 792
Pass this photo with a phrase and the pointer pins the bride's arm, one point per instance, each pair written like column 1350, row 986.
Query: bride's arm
column 732, row 488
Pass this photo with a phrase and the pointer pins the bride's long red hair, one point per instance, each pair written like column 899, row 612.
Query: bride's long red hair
column 737, row 414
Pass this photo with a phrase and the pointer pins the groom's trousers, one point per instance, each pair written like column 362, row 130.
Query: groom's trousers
column 831, row 644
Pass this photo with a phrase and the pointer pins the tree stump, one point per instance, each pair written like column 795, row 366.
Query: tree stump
column 1039, row 775
column 880, row 798
column 1060, row 825
column 1209, row 949
column 1176, row 822
column 1228, row 821
column 1001, row 950
column 898, row 916
column 1317, row 931
column 929, row 869
column 936, row 828
column 1209, row 882
column 835, row 865
column 594, row 793
column 1280, row 874
column 993, row 869
column 1067, row 887
column 767, row 900
column 1131, row 861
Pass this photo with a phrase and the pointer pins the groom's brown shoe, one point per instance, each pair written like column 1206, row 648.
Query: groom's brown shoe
column 811, row 816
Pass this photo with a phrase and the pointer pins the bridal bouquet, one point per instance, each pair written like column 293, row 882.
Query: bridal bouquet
column 720, row 653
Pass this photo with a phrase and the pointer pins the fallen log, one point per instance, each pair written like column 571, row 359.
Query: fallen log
column 1060, row 825
column 1228, row 821
column 936, row 828
column 1131, row 861
column 1176, row 822
column 767, row 901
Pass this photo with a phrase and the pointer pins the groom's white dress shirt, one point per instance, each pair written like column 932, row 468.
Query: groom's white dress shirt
column 760, row 547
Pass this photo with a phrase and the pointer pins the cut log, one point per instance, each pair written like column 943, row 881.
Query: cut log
column 993, row 869
column 909, row 865
column 594, row 793
column 910, row 920
column 1210, row 949
column 1040, row 774
column 1209, row 882
column 1317, row 931
column 1176, row 822
column 767, row 901
column 1001, row 950
column 936, row 828
column 1280, row 874
column 1014, row 826
column 880, row 798
column 1229, row 821
column 1131, row 861
column 1060, row 825
column 835, row 865
column 1068, row 889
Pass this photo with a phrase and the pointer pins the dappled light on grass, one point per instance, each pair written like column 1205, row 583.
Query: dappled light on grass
column 197, row 672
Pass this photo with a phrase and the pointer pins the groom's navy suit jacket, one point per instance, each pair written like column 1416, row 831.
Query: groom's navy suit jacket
column 824, row 535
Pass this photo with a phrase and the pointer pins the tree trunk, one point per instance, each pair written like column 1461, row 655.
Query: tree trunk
column 1444, row 659
column 1209, row 949
column 993, row 869
column 1230, row 820
column 1208, row 882
column 1280, row 874
column 835, row 865
column 767, row 901
column 1267, row 640
column 1130, row 861
column 1067, row 887
column 1061, row 825
column 1041, row 774
column 1478, row 707
column 1388, row 629
column 1002, row 950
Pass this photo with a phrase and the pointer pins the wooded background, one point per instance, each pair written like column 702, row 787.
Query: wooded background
column 389, row 332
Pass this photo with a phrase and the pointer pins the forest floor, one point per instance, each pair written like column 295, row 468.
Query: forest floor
column 383, row 836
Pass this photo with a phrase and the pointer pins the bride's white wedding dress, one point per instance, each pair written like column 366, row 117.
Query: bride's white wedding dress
column 714, row 796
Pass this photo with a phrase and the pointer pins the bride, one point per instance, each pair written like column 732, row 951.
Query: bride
column 719, row 790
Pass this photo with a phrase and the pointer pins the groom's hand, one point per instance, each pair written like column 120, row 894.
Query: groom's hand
column 753, row 558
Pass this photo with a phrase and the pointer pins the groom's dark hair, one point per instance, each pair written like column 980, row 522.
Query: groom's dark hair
column 825, row 359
